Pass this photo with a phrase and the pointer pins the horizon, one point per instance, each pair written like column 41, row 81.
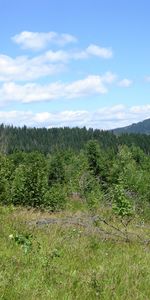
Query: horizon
column 80, row 64
column 70, row 127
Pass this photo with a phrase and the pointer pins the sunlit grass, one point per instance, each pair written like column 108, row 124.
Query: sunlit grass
column 68, row 262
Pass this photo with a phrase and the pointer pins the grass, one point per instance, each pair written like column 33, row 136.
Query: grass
column 66, row 262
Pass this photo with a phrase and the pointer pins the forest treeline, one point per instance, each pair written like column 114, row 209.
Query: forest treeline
column 49, row 140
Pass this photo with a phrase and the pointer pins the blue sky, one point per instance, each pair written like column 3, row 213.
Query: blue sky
column 74, row 62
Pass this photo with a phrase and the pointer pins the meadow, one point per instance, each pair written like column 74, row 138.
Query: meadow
column 71, row 261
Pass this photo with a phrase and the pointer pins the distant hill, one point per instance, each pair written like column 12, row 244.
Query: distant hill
column 140, row 127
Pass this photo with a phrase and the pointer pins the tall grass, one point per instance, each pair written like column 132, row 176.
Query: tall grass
column 66, row 262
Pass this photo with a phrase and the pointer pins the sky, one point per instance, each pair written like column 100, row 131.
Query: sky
column 74, row 63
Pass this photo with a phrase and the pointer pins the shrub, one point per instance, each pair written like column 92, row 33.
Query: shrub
column 94, row 198
column 55, row 198
column 121, row 203
column 30, row 182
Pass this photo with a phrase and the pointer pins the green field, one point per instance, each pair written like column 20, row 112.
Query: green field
column 68, row 260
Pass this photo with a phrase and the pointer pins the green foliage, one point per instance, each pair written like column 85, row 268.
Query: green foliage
column 6, row 170
column 75, row 173
column 138, row 155
column 88, row 183
column 121, row 203
column 131, row 166
column 99, row 162
column 94, row 199
column 93, row 156
column 46, row 141
column 54, row 267
column 28, row 178
column 30, row 181
column 55, row 198
column 18, row 157
column 56, row 172
column 24, row 240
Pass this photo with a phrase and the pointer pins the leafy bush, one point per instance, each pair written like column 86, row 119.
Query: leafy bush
column 56, row 172
column 55, row 198
column 30, row 182
column 6, row 170
column 94, row 199
column 121, row 203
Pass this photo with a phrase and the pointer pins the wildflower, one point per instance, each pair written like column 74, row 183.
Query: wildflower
column 11, row 236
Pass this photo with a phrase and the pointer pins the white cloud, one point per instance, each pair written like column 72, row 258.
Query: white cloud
column 55, row 56
column 125, row 83
column 140, row 109
column 34, row 92
column 40, row 40
column 92, row 50
column 30, row 92
column 104, row 118
column 64, row 118
column 16, row 117
column 99, row 51
column 93, row 84
column 23, row 68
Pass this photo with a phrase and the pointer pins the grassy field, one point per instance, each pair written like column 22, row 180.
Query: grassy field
column 69, row 261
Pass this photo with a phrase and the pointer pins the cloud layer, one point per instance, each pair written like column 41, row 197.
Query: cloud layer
column 30, row 78
column 103, row 118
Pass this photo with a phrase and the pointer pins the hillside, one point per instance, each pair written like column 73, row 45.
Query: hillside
column 140, row 127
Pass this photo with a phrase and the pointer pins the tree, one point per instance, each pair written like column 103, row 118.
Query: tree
column 56, row 170
column 30, row 181
column 6, row 171
column 99, row 162
column 93, row 157
column 55, row 198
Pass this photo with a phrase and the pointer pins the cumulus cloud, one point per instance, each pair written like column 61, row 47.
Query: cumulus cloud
column 125, row 83
column 92, row 50
column 40, row 40
column 103, row 118
column 34, row 92
column 99, row 51
column 23, row 68
column 93, row 84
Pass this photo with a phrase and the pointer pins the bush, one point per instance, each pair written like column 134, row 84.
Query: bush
column 30, row 182
column 121, row 204
column 94, row 199
column 6, row 170
column 55, row 198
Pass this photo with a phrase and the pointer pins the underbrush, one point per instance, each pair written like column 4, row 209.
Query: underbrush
column 69, row 261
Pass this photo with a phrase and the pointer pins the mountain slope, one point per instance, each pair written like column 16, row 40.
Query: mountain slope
column 140, row 127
